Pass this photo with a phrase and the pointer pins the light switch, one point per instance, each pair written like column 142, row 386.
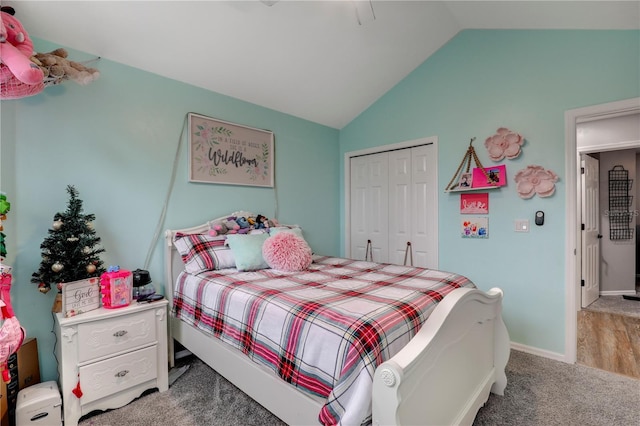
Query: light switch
column 522, row 225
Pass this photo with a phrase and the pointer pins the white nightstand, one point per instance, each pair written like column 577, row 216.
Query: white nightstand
column 115, row 355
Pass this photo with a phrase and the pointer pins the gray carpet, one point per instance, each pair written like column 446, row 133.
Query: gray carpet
column 540, row 392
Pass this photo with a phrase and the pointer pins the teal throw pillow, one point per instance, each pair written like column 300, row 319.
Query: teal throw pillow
column 247, row 250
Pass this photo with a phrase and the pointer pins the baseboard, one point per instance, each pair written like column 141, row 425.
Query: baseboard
column 618, row 293
column 539, row 352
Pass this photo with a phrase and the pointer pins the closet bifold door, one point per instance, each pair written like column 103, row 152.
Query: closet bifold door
column 369, row 207
column 400, row 204
column 424, row 206
column 393, row 202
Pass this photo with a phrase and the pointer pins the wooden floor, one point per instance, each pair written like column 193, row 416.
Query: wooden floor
column 609, row 335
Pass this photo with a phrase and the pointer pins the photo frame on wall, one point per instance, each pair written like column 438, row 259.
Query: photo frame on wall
column 466, row 180
column 226, row 153
column 489, row 176
column 475, row 227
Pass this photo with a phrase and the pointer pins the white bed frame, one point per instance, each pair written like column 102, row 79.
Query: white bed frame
column 442, row 377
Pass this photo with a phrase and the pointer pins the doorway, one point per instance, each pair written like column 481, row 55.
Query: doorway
column 574, row 148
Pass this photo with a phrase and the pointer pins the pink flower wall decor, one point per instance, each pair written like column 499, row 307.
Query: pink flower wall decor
column 504, row 143
column 536, row 180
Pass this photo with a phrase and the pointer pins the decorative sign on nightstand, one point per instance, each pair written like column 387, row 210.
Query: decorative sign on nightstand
column 80, row 296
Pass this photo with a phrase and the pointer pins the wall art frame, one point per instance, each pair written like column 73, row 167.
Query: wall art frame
column 221, row 152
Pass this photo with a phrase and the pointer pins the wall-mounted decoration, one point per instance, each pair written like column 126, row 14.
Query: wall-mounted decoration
column 504, row 144
column 534, row 180
column 462, row 179
column 489, row 176
column 475, row 227
column 466, row 179
column 474, row 203
column 226, row 153
column 620, row 214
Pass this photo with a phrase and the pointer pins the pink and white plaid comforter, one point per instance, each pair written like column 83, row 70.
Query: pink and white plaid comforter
column 323, row 330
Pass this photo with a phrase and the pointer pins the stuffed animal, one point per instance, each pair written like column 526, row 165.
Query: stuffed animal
column 232, row 225
column 262, row 222
column 243, row 223
column 15, row 50
column 57, row 67
column 19, row 77
column 218, row 228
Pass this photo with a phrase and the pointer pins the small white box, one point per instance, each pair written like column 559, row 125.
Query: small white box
column 40, row 405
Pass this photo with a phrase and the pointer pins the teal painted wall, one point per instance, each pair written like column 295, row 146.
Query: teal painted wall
column 115, row 140
column 524, row 80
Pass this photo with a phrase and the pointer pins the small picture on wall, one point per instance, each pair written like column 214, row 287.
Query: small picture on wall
column 475, row 227
column 492, row 176
column 465, row 180
column 474, row 203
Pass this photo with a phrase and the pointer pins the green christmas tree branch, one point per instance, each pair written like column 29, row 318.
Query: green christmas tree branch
column 70, row 251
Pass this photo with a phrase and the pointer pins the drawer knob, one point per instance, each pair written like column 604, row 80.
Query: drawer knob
column 120, row 333
column 122, row 373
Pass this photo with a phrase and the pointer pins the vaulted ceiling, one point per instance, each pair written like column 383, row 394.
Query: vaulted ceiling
column 324, row 61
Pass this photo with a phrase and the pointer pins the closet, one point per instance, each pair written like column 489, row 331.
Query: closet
column 394, row 206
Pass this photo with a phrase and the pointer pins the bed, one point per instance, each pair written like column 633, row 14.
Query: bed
column 437, row 366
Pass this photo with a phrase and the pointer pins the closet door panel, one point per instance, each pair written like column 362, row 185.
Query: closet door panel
column 424, row 239
column 400, row 204
column 377, row 214
column 359, row 190
column 369, row 206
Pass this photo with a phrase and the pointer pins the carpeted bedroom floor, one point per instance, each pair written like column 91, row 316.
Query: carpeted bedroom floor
column 540, row 392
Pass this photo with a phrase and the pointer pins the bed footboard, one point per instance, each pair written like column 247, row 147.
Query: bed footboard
column 445, row 374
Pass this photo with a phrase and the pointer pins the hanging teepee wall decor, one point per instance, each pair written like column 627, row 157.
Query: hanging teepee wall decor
column 455, row 182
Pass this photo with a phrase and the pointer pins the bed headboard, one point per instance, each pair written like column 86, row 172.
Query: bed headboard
column 173, row 262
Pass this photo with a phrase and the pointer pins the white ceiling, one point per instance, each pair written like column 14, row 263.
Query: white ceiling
column 310, row 59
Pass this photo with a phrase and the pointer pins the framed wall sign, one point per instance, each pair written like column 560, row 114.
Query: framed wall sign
column 474, row 203
column 475, row 227
column 226, row 153
column 80, row 296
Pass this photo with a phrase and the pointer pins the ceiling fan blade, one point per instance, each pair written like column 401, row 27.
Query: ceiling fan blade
column 364, row 11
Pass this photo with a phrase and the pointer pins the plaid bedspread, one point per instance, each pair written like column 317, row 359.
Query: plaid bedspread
column 324, row 330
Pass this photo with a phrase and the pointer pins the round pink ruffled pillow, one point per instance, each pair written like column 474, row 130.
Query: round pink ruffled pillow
column 287, row 252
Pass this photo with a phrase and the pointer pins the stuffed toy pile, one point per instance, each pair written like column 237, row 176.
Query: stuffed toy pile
column 240, row 225
column 56, row 68
column 19, row 77
column 24, row 72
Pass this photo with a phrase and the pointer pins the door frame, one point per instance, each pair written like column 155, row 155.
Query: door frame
column 431, row 140
column 573, row 237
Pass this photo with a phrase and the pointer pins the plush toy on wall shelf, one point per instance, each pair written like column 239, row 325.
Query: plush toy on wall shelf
column 24, row 72
column 57, row 67
column 19, row 77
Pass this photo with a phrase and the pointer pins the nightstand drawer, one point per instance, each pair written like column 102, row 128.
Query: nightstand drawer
column 113, row 335
column 114, row 375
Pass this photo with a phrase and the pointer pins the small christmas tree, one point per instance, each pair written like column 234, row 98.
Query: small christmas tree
column 69, row 253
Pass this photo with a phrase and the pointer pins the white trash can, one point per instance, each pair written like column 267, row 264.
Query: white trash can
column 40, row 405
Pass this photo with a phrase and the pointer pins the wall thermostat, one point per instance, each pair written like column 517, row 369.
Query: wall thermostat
column 539, row 218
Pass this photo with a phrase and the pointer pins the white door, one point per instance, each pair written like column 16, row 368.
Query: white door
column 400, row 205
column 590, row 230
column 369, row 207
column 424, row 201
